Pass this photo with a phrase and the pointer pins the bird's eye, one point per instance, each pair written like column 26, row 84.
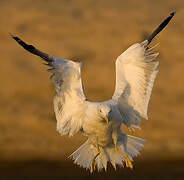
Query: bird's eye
column 100, row 111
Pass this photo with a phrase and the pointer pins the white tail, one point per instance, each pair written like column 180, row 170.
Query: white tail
column 128, row 145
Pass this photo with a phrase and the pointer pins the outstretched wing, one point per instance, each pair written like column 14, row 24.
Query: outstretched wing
column 69, row 99
column 136, row 70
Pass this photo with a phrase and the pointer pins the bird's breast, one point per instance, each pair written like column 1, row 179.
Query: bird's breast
column 99, row 132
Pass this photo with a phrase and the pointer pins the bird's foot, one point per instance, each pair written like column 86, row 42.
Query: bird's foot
column 127, row 160
column 93, row 163
column 92, row 166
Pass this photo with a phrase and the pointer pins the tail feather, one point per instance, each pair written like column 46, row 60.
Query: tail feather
column 129, row 145
column 102, row 159
column 134, row 145
column 115, row 158
column 83, row 155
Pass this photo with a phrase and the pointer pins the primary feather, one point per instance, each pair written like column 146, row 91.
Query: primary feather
column 136, row 70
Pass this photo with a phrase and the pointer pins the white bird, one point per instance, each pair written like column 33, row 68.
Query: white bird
column 101, row 122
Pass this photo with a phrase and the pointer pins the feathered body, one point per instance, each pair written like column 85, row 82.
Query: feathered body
column 101, row 122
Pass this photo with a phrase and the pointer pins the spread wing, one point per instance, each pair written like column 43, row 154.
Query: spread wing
column 136, row 70
column 69, row 99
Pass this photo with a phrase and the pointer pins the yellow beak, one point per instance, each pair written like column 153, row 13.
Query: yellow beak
column 106, row 119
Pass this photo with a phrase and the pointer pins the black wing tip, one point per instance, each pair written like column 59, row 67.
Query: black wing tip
column 27, row 47
column 12, row 35
column 15, row 37
column 161, row 27
column 172, row 13
column 31, row 48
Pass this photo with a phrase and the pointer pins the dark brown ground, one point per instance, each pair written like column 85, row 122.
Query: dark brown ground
column 43, row 169
column 94, row 32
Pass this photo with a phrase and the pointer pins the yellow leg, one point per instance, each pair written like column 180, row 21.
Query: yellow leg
column 127, row 160
column 93, row 161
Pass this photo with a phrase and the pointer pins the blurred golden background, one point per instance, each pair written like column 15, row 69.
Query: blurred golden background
column 95, row 33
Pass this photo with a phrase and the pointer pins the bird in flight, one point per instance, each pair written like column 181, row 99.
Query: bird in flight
column 101, row 122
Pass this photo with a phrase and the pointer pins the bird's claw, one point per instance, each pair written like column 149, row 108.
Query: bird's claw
column 93, row 163
column 127, row 160
column 92, row 166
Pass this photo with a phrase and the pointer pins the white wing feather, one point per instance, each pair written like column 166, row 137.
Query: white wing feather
column 69, row 98
column 136, row 70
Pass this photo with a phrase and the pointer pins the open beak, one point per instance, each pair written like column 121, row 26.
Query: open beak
column 106, row 119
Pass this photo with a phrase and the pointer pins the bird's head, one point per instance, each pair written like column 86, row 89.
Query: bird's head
column 104, row 112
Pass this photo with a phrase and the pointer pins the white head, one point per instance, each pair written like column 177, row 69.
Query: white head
column 104, row 112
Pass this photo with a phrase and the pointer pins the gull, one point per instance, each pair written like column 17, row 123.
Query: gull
column 101, row 122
